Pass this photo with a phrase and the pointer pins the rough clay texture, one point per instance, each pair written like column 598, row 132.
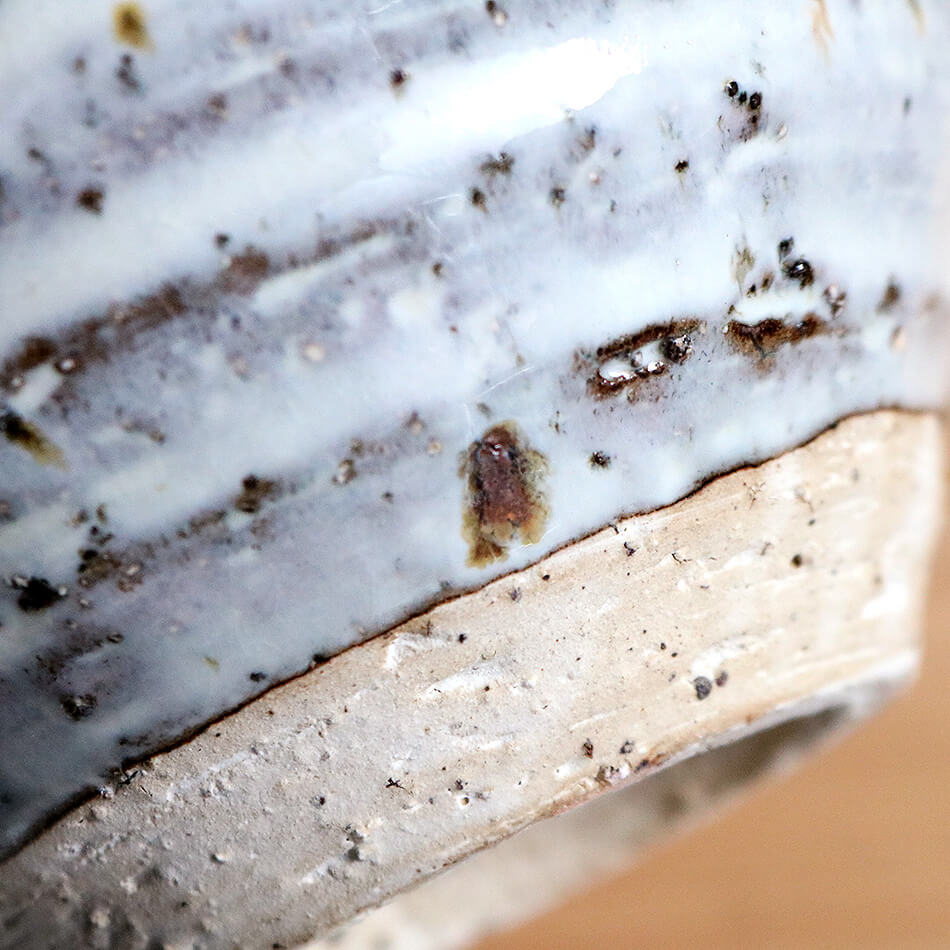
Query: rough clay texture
column 621, row 653
column 538, row 868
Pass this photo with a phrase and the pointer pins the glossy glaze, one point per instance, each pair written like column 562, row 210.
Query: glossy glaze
column 268, row 277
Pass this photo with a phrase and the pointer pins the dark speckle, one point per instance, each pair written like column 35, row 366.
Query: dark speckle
column 221, row 240
column 515, row 594
column 627, row 747
column 599, row 460
column 703, row 686
column 398, row 79
column 91, row 199
column 588, row 141
column 38, row 594
column 500, row 165
column 785, row 247
column 495, row 11
column 463, row 637
column 722, row 677
column 477, row 197
column 557, row 196
column 217, row 104
column 588, row 748
column 681, row 166
column 78, row 707
column 742, row 97
column 890, row 298
column 257, row 677
column 800, row 271
column 797, row 560
column 731, row 88
column 755, row 101
column 126, row 75
column 677, row 349
column 254, row 491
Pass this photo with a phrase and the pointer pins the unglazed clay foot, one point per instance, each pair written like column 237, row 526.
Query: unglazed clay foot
column 419, row 419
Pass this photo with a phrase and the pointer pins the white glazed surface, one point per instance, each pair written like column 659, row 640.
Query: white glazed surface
column 405, row 300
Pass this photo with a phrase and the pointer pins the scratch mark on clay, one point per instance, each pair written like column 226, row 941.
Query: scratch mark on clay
column 407, row 645
column 473, row 680
column 590, row 720
column 180, row 789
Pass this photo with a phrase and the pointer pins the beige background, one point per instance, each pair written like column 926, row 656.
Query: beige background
column 851, row 851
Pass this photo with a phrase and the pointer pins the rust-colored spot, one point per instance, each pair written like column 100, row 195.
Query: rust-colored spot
column 761, row 340
column 672, row 343
column 505, row 494
column 244, row 272
column 28, row 436
column 129, row 25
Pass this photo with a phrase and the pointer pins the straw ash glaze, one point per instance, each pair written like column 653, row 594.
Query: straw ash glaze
column 312, row 314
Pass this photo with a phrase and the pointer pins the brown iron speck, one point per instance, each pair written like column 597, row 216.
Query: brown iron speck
column 763, row 339
column 129, row 25
column 91, row 200
column 890, row 298
column 254, row 491
column 244, row 272
column 505, row 495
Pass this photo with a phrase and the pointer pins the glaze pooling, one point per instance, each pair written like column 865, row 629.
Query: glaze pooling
column 261, row 299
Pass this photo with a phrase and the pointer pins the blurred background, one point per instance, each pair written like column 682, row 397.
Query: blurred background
column 852, row 850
